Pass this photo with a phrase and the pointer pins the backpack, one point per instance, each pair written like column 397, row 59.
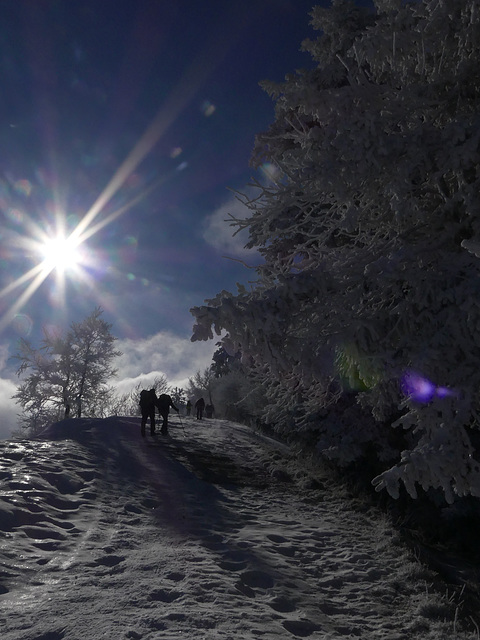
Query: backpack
column 164, row 401
column 145, row 398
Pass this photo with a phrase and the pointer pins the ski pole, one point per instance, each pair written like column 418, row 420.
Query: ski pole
column 181, row 424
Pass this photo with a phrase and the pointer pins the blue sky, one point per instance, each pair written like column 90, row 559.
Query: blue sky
column 131, row 121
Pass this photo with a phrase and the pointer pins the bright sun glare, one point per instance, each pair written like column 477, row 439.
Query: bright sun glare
column 63, row 253
column 60, row 253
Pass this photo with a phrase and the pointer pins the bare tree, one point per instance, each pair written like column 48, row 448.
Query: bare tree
column 66, row 370
column 202, row 383
column 178, row 395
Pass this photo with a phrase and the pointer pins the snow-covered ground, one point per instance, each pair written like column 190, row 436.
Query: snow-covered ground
column 212, row 533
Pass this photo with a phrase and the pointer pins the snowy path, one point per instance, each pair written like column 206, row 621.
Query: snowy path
column 209, row 534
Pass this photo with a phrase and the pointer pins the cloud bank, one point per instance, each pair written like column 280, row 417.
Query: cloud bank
column 161, row 354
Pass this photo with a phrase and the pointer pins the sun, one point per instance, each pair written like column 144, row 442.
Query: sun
column 60, row 253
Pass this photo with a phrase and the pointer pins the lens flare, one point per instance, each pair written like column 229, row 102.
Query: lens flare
column 23, row 187
column 22, row 324
column 420, row 389
column 208, row 109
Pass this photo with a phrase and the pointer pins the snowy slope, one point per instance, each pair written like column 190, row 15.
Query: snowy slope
column 212, row 533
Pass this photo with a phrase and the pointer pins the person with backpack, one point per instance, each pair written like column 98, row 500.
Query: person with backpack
column 200, row 406
column 164, row 402
column 148, row 402
column 209, row 409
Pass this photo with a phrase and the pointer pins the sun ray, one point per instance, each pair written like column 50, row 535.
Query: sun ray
column 26, row 295
column 20, row 280
column 180, row 97
column 92, row 230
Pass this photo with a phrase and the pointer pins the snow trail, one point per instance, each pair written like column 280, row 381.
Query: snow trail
column 211, row 533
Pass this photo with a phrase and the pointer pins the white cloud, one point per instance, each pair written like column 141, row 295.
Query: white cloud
column 161, row 354
column 4, row 356
column 218, row 229
column 8, row 408
column 219, row 232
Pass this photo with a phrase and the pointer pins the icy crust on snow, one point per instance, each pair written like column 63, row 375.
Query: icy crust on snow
column 212, row 533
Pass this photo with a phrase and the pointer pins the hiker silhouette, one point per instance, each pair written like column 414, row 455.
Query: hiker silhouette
column 200, row 406
column 164, row 403
column 209, row 409
column 148, row 402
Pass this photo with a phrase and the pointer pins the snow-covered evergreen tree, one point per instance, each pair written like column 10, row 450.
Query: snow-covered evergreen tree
column 370, row 280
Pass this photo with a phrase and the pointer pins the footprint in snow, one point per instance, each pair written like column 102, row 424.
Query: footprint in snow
column 108, row 561
column 232, row 565
column 259, row 579
column 175, row 576
column 276, row 538
column 162, row 595
column 300, row 628
column 282, row 605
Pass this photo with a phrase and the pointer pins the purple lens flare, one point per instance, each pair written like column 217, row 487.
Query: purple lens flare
column 420, row 389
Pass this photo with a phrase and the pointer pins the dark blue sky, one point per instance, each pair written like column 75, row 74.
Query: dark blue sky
column 81, row 83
